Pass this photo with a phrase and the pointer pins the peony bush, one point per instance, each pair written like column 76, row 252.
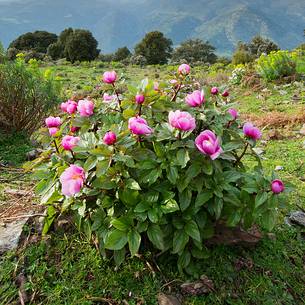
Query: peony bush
column 155, row 167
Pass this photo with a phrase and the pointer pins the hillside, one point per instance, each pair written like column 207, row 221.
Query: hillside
column 124, row 22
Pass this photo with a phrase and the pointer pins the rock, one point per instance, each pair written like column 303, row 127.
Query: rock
column 259, row 150
column 167, row 299
column 302, row 131
column 200, row 287
column 10, row 234
column 297, row 217
column 33, row 154
column 279, row 168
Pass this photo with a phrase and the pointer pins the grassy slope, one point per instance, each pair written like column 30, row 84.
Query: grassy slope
column 66, row 269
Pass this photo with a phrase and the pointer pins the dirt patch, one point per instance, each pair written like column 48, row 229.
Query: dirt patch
column 276, row 119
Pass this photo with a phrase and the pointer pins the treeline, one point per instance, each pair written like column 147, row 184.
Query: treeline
column 80, row 45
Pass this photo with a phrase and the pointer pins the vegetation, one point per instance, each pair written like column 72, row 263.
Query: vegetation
column 121, row 54
column 37, row 41
column 195, row 50
column 64, row 267
column 25, row 91
column 276, row 65
column 155, row 48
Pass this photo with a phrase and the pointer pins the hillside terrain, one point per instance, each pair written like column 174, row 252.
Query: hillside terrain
column 124, row 22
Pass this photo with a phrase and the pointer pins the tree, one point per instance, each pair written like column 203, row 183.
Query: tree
column 81, row 45
column 241, row 54
column 121, row 54
column 37, row 41
column 193, row 50
column 55, row 50
column 259, row 45
column 155, row 47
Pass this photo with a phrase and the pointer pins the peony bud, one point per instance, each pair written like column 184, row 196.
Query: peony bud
column 251, row 132
column 140, row 98
column 214, row 91
column 277, row 186
column 234, row 113
column 109, row 138
column 225, row 93
column 139, row 126
column 109, row 77
column 184, row 69
column 195, row 99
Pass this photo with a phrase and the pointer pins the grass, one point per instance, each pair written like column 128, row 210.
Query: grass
column 66, row 268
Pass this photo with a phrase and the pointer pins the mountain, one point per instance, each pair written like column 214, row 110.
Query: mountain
column 125, row 22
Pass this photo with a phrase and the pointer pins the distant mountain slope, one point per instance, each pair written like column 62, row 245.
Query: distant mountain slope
column 124, row 22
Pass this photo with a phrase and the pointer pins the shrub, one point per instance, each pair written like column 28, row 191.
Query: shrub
column 276, row 65
column 26, row 95
column 241, row 57
column 155, row 47
column 37, row 41
column 195, row 50
column 146, row 171
column 237, row 74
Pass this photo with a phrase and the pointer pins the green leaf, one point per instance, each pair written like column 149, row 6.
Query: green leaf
column 133, row 184
column 119, row 256
column 122, row 223
column 260, row 198
column 207, row 167
column 184, row 259
column 234, row 218
column 152, row 176
column 217, row 207
column 134, row 241
column 192, row 230
column 172, row 174
column 269, row 219
column 193, row 171
column 202, row 198
column 170, row 206
column 116, row 240
column 185, row 199
column 104, row 183
column 90, row 163
column 48, row 221
column 155, row 235
column 179, row 241
column 183, row 157
column 143, row 206
column 101, row 167
column 153, row 215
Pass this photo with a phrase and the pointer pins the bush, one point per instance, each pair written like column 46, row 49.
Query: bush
column 276, row 65
column 237, row 74
column 144, row 176
column 241, row 57
column 195, row 50
column 26, row 95
column 155, row 47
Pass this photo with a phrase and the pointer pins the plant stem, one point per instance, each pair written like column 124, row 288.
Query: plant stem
column 243, row 153
column 56, row 147
column 118, row 97
column 176, row 92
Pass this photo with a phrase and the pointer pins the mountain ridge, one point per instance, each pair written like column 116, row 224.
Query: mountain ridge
column 125, row 22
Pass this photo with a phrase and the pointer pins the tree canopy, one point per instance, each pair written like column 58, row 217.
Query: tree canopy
column 193, row 50
column 155, row 47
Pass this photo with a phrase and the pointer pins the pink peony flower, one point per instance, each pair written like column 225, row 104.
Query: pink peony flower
column 195, row 99
column 139, row 126
column 156, row 86
column 251, row 132
column 85, row 108
column 184, row 69
column 109, row 138
column 53, row 131
column 53, row 121
column 225, row 93
column 233, row 113
column 74, row 128
column 214, row 91
column 63, row 107
column 72, row 180
column 69, row 142
column 277, row 186
column 108, row 98
column 208, row 144
column 140, row 98
column 181, row 120
column 109, row 77
column 71, row 106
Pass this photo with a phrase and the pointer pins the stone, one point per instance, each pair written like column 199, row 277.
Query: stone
column 200, row 287
column 10, row 234
column 279, row 168
column 297, row 217
column 167, row 299
column 302, row 131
